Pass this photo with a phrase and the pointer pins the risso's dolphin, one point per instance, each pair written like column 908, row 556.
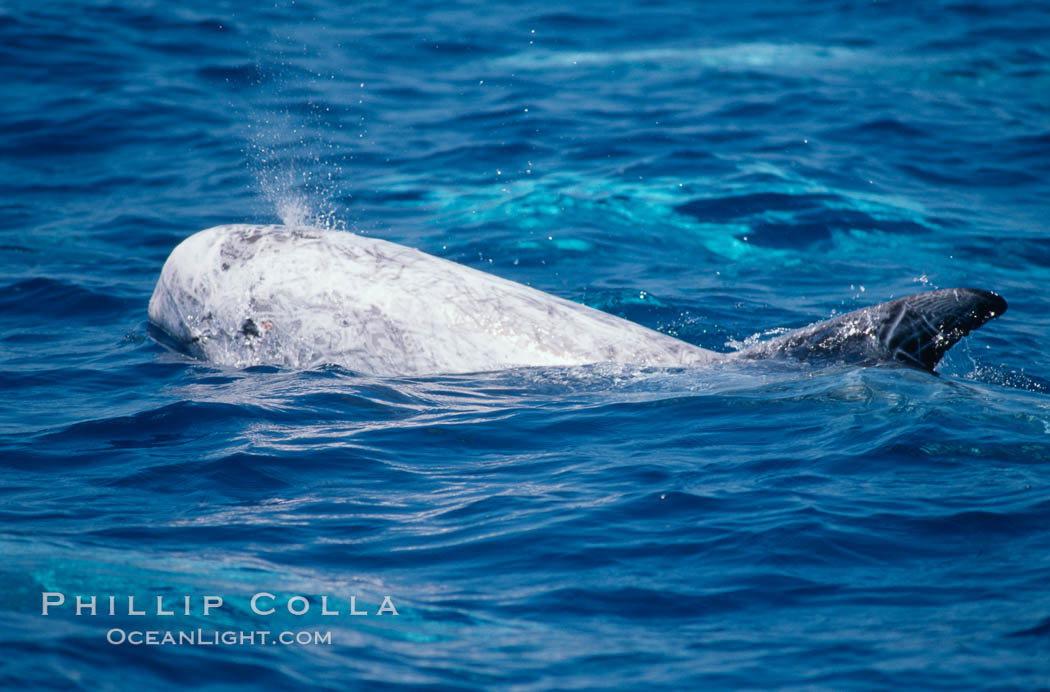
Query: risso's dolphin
column 245, row 295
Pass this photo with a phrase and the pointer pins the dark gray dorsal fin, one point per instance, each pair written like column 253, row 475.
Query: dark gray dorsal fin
column 917, row 330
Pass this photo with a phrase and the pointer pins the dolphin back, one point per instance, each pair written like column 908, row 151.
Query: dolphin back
column 244, row 295
column 916, row 330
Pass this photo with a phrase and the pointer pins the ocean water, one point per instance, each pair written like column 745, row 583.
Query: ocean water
column 718, row 171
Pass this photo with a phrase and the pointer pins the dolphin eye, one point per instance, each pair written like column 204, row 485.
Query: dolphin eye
column 249, row 328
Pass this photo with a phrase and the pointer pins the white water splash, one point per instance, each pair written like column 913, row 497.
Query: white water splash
column 299, row 196
column 292, row 153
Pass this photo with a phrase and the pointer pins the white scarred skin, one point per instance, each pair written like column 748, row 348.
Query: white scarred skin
column 245, row 295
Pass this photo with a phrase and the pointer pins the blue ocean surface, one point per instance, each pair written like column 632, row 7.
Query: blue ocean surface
column 718, row 171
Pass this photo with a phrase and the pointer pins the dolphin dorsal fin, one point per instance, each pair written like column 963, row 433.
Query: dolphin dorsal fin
column 916, row 330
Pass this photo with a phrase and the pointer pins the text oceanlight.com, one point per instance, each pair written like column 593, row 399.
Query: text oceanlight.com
column 200, row 637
